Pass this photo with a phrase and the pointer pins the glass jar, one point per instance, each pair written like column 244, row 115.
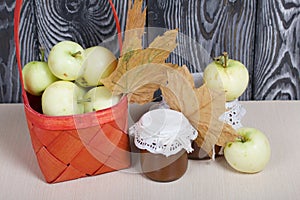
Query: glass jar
column 164, row 138
column 161, row 168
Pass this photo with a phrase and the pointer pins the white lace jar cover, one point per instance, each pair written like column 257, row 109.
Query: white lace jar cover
column 163, row 131
column 233, row 114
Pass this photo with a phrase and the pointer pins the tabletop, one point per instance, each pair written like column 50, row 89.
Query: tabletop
column 21, row 177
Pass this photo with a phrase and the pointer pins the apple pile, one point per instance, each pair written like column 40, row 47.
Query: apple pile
column 251, row 152
column 69, row 83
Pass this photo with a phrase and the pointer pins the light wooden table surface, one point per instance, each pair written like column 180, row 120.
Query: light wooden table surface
column 20, row 176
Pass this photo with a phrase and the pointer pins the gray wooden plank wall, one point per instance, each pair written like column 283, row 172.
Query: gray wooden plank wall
column 264, row 35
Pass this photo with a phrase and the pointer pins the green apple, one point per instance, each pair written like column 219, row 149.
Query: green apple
column 99, row 98
column 37, row 77
column 227, row 75
column 99, row 63
column 61, row 99
column 65, row 60
column 250, row 153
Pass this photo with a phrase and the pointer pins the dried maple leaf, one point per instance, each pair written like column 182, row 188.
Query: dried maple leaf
column 141, row 82
column 136, row 19
column 133, row 78
column 211, row 129
column 228, row 134
column 201, row 106
column 180, row 86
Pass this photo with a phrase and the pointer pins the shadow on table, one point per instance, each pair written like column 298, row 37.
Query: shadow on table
column 222, row 162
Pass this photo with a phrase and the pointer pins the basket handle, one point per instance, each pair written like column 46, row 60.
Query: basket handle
column 17, row 13
column 17, row 44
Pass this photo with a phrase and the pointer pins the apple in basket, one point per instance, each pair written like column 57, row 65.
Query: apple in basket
column 99, row 98
column 65, row 60
column 99, row 63
column 61, row 98
column 227, row 75
column 250, row 153
column 37, row 77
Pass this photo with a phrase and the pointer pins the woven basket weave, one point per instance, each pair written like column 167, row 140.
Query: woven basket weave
column 71, row 147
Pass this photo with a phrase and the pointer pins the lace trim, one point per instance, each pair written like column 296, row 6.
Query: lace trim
column 164, row 142
column 233, row 114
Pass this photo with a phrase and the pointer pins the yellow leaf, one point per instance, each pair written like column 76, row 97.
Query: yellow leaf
column 136, row 19
column 165, row 42
column 228, row 134
column 143, row 94
column 201, row 106
column 136, row 75
column 179, row 93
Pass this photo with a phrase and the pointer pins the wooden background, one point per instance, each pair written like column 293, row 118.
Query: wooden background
column 264, row 35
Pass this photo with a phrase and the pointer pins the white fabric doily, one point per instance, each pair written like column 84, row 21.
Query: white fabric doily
column 233, row 114
column 163, row 131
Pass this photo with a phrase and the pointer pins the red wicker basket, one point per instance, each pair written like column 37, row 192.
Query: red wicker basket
column 71, row 147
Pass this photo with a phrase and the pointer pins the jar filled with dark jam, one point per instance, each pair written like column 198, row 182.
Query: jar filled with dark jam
column 161, row 168
column 164, row 138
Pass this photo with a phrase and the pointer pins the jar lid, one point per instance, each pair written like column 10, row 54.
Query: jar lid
column 163, row 131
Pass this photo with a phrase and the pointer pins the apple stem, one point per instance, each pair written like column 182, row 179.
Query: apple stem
column 42, row 50
column 225, row 54
column 242, row 139
column 222, row 60
column 76, row 54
